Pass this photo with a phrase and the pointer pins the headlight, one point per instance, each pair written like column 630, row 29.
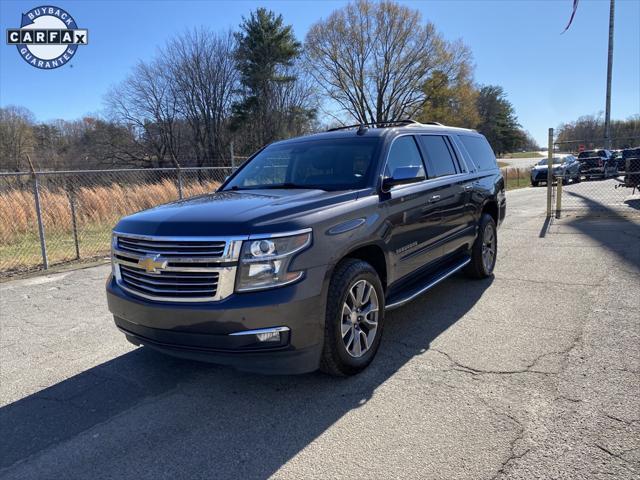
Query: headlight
column 264, row 263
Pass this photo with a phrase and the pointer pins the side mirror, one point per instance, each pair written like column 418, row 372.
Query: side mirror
column 403, row 176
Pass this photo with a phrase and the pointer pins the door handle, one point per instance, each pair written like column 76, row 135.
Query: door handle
column 434, row 198
column 468, row 188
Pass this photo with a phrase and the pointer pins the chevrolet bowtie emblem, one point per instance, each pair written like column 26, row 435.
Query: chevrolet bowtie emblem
column 152, row 264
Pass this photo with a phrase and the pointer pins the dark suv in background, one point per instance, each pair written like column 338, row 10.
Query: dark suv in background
column 597, row 164
column 291, row 265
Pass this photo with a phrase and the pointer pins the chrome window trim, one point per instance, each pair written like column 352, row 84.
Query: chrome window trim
column 435, row 182
column 386, row 158
column 427, row 181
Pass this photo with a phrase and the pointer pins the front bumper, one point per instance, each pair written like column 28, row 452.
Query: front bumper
column 541, row 175
column 215, row 331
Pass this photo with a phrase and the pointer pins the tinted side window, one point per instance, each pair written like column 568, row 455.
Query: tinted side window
column 404, row 153
column 480, row 151
column 439, row 157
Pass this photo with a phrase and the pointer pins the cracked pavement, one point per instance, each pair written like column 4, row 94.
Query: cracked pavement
column 534, row 373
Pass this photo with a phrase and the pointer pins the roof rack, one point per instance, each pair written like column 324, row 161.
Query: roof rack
column 388, row 124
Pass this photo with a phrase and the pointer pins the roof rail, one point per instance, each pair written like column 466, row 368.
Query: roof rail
column 388, row 124
column 433, row 123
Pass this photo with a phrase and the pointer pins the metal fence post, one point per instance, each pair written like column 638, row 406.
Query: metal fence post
column 549, row 172
column 36, row 196
column 517, row 177
column 179, row 175
column 233, row 158
column 74, row 222
column 559, row 197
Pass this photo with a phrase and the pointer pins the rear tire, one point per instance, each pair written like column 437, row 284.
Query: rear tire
column 349, row 323
column 534, row 184
column 482, row 261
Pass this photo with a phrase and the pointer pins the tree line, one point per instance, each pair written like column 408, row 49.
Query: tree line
column 205, row 91
column 588, row 130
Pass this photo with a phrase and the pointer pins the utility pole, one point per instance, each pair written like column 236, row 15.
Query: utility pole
column 607, row 114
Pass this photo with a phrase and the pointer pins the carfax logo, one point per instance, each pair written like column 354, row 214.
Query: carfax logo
column 48, row 37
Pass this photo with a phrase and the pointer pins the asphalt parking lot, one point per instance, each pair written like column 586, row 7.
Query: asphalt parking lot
column 534, row 373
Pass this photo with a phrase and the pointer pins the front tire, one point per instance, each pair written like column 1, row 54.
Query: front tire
column 484, row 250
column 354, row 318
column 534, row 184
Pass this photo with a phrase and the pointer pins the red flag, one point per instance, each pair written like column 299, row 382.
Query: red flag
column 573, row 14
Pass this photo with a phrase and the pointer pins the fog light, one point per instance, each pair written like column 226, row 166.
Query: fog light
column 268, row 337
column 271, row 335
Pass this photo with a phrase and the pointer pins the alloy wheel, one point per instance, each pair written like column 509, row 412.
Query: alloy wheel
column 359, row 318
column 489, row 248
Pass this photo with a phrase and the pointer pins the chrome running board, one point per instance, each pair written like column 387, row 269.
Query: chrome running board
column 421, row 286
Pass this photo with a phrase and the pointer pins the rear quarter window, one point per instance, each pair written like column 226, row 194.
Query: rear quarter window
column 480, row 151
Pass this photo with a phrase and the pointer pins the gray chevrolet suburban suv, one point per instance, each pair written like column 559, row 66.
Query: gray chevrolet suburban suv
column 292, row 263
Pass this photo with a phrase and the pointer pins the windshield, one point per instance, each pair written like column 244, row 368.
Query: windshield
column 556, row 161
column 588, row 154
column 329, row 164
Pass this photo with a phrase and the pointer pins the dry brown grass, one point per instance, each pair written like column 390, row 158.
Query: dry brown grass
column 94, row 205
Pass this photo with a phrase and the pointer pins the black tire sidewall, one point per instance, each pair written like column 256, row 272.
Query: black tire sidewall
column 349, row 364
column 478, row 267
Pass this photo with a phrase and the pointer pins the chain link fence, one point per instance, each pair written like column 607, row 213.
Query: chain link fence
column 50, row 218
column 601, row 182
column 516, row 177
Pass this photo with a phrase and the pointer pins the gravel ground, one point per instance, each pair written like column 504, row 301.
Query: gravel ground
column 534, row 373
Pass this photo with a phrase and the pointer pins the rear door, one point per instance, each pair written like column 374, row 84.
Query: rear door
column 450, row 189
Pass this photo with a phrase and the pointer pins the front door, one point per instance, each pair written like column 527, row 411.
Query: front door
column 412, row 215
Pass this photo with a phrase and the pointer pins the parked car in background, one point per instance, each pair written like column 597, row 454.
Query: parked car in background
column 291, row 265
column 566, row 167
column 631, row 157
column 616, row 155
column 597, row 164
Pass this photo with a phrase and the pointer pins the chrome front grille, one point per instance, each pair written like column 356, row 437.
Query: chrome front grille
column 196, row 248
column 180, row 269
column 171, row 284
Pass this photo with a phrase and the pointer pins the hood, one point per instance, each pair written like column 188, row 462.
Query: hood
column 233, row 213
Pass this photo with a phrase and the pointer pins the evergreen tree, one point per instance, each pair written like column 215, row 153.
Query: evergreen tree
column 265, row 56
column 498, row 121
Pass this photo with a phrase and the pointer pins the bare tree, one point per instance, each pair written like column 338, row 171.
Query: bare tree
column 373, row 59
column 290, row 109
column 16, row 136
column 146, row 101
column 204, row 78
